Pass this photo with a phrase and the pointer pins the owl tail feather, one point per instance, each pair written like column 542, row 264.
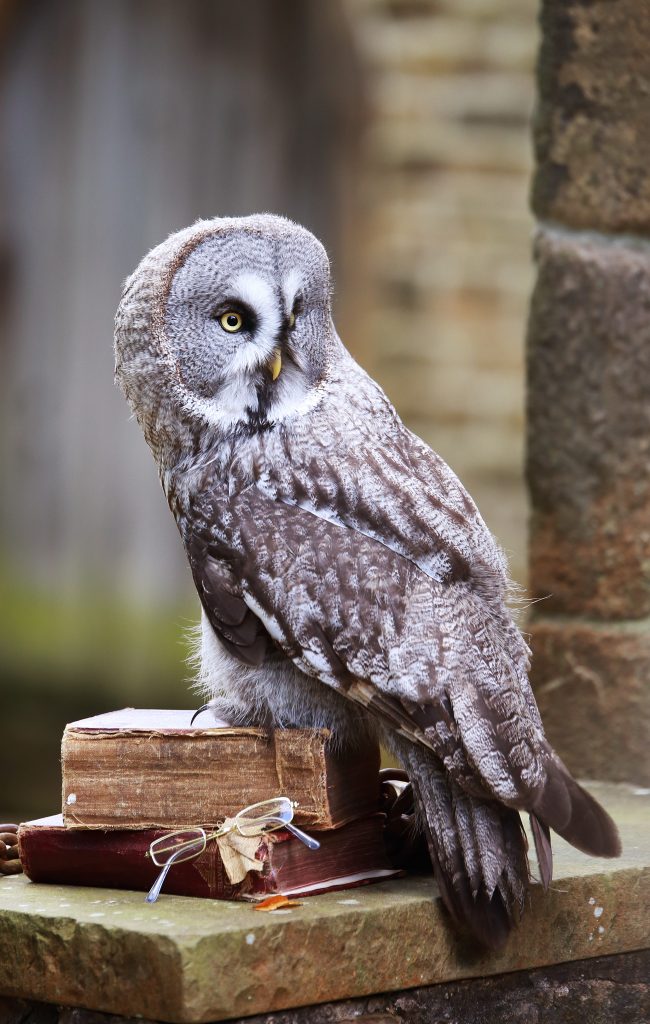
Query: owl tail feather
column 569, row 810
column 477, row 847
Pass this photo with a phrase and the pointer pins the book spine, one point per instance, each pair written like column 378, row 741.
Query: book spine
column 302, row 770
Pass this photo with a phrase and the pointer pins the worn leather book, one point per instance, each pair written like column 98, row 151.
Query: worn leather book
column 348, row 856
column 147, row 768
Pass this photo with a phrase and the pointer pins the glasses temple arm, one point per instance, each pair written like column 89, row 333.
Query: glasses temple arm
column 309, row 841
column 154, row 891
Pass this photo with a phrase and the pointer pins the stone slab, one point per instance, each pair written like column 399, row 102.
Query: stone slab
column 188, row 960
column 599, row 990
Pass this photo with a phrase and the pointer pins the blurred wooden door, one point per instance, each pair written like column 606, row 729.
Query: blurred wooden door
column 123, row 122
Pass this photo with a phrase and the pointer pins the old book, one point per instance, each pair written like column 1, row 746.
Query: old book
column 148, row 768
column 348, row 856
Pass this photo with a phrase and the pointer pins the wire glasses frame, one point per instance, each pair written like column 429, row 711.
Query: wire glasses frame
column 185, row 844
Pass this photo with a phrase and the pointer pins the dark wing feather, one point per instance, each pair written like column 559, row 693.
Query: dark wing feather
column 573, row 813
column 238, row 628
column 543, row 849
column 384, row 482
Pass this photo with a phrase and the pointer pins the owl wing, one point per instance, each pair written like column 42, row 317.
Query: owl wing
column 239, row 629
column 422, row 654
column 390, row 487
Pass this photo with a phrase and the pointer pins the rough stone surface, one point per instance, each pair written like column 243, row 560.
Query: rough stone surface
column 196, row 960
column 589, row 426
column 602, row 991
column 597, row 674
column 592, row 134
column 23, row 1011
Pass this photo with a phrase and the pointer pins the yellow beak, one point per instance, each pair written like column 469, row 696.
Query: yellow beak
column 275, row 365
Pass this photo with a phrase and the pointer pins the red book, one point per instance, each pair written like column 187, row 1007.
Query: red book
column 348, row 856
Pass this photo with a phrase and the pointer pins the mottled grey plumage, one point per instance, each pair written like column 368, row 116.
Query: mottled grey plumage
column 346, row 577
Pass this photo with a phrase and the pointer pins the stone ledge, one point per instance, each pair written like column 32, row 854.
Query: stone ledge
column 599, row 990
column 185, row 960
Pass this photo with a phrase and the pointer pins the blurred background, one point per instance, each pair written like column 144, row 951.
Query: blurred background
column 396, row 130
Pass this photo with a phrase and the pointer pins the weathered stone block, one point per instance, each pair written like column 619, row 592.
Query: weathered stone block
column 601, row 991
column 589, row 426
column 592, row 129
column 599, row 676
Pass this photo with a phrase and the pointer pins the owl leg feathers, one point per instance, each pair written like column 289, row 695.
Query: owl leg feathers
column 478, row 848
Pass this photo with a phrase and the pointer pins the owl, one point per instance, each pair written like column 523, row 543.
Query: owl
column 346, row 577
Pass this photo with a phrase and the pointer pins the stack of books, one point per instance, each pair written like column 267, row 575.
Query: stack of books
column 136, row 777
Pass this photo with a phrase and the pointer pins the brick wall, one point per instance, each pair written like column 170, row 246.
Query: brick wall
column 445, row 193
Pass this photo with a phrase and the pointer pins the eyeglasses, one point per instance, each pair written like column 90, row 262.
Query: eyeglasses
column 267, row 816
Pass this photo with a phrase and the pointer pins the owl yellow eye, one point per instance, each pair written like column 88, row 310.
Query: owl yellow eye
column 292, row 320
column 231, row 321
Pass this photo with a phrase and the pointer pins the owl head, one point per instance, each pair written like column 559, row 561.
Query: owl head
column 224, row 326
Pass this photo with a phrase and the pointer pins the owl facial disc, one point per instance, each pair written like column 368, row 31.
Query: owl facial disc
column 241, row 332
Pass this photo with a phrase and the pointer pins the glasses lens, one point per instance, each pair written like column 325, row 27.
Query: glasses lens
column 268, row 814
column 177, row 845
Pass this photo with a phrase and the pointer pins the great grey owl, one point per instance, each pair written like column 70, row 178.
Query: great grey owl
column 346, row 577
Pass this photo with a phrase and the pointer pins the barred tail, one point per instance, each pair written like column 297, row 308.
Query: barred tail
column 478, row 848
